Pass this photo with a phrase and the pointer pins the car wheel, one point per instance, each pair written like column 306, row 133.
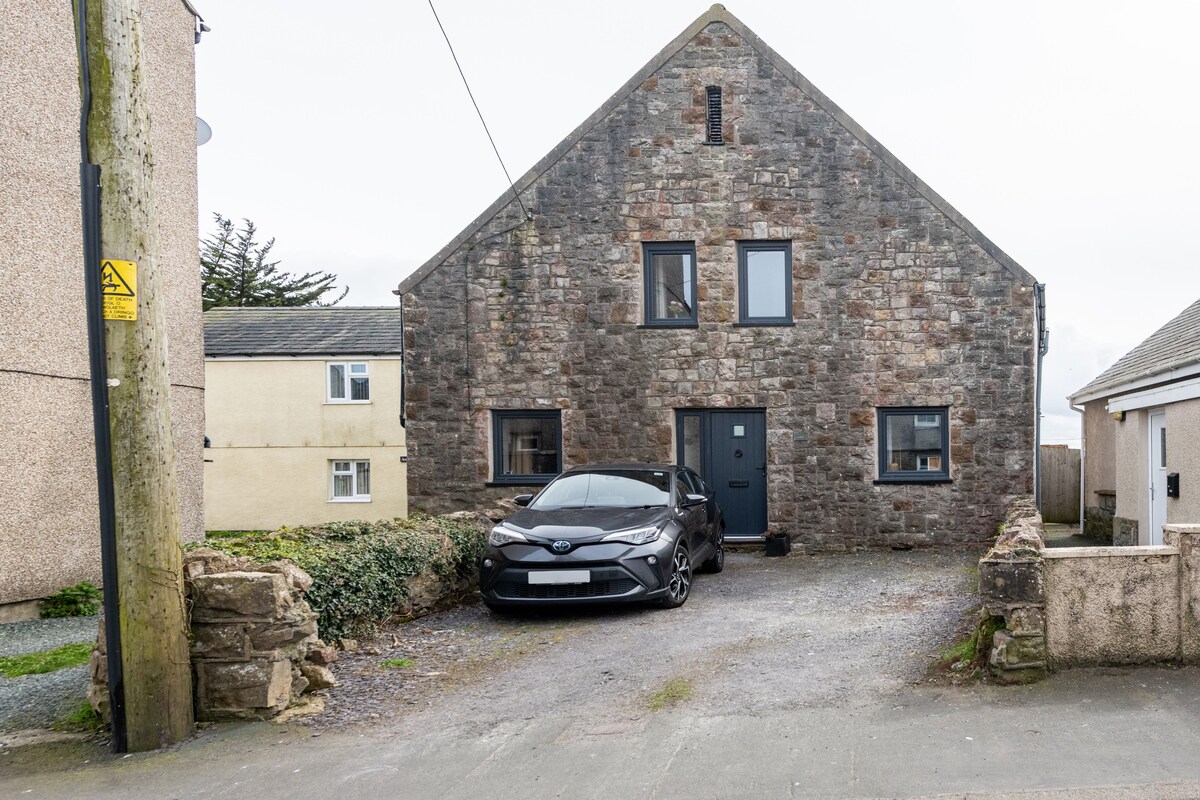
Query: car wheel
column 717, row 562
column 679, row 582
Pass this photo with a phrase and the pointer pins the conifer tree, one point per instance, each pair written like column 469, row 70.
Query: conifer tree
column 234, row 271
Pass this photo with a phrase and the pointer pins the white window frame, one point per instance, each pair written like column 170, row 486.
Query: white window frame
column 347, row 374
column 926, row 420
column 925, row 463
column 351, row 472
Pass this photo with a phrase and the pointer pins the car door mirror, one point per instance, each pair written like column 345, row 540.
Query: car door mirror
column 523, row 499
column 694, row 500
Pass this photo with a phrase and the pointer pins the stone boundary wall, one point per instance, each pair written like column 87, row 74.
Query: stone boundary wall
column 254, row 645
column 1089, row 606
column 1012, row 586
column 255, row 650
column 1111, row 605
column 1187, row 539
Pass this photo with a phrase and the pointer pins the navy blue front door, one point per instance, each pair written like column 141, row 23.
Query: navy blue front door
column 729, row 450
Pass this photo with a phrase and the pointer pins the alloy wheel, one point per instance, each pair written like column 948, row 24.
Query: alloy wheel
column 681, row 577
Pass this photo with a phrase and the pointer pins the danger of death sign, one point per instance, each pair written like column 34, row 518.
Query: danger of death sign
column 118, row 286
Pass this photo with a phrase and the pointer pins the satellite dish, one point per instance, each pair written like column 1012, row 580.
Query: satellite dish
column 203, row 132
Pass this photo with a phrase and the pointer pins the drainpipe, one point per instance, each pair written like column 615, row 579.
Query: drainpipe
column 89, row 189
column 1082, row 459
column 1043, row 339
column 403, row 363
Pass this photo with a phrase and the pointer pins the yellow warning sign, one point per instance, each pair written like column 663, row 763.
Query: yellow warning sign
column 118, row 285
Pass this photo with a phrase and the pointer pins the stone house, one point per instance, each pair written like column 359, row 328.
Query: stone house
column 720, row 268
column 49, row 529
column 302, row 415
column 1135, row 478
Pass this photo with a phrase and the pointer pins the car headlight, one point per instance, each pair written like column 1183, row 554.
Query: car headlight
column 501, row 536
column 636, row 536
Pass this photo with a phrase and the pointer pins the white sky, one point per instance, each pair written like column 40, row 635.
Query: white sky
column 1068, row 132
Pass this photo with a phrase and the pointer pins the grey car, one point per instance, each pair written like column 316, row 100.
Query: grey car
column 602, row 534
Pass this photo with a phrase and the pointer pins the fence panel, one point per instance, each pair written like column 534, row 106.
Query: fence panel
column 1060, row 483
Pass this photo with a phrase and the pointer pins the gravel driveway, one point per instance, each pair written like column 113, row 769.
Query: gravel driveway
column 38, row 701
column 764, row 635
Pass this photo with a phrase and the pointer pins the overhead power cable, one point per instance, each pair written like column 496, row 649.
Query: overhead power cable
column 471, row 94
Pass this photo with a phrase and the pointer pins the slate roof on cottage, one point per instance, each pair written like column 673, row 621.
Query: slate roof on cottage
column 717, row 13
column 345, row 330
column 1174, row 345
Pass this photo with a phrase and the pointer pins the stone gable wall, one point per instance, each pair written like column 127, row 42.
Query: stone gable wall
column 894, row 305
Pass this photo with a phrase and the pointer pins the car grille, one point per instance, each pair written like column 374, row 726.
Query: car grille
column 569, row 591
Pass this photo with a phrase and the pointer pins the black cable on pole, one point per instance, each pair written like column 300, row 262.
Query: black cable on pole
column 89, row 189
column 470, row 94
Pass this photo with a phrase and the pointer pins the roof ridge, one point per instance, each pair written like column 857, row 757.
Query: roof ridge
column 302, row 308
column 1114, row 377
column 717, row 13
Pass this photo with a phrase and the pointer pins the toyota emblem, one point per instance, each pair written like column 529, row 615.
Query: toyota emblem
column 561, row 546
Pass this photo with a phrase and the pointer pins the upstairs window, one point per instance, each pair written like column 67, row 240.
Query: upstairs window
column 714, row 134
column 765, row 283
column 348, row 382
column 670, row 283
column 526, row 446
column 914, row 445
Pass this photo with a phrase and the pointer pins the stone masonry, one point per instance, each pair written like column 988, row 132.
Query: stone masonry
column 1012, row 585
column 1089, row 606
column 254, row 638
column 897, row 301
column 1098, row 519
column 1125, row 532
column 254, row 649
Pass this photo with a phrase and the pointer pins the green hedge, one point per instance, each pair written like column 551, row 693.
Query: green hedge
column 361, row 570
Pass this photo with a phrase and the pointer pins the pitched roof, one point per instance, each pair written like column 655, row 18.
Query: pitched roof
column 717, row 13
column 346, row 330
column 1173, row 346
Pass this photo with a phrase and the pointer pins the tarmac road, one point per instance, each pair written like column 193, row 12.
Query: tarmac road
column 805, row 686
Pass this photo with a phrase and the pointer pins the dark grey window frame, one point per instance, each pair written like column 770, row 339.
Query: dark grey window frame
column 763, row 245
column 651, row 249
column 911, row 475
column 680, row 434
column 498, row 416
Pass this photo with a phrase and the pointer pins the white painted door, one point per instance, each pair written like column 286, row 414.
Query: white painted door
column 1158, row 476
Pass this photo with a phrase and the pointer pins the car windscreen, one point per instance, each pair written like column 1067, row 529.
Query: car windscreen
column 610, row 489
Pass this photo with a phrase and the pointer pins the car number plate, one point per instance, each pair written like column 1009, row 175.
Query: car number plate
column 560, row 576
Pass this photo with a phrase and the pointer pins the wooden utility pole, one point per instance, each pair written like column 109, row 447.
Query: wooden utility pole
column 149, row 569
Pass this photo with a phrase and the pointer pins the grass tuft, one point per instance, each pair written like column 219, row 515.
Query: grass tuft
column 83, row 718
column 69, row 655
column 397, row 662
column 674, row 691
